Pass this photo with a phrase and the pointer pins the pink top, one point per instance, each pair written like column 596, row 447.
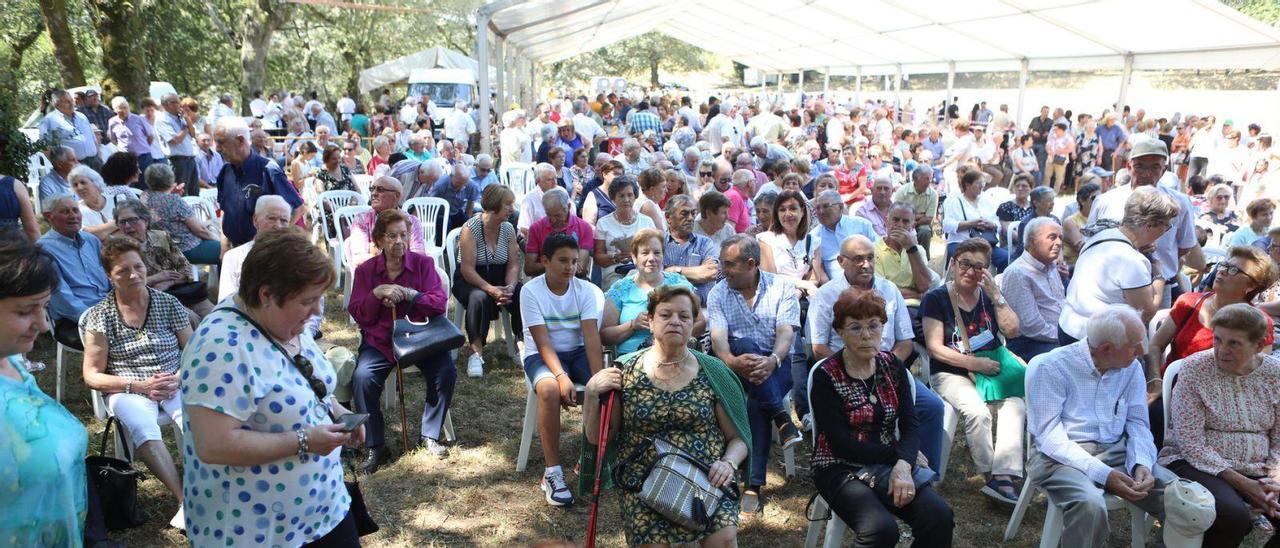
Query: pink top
column 576, row 227
column 374, row 318
column 1218, row 420
column 360, row 240
column 739, row 215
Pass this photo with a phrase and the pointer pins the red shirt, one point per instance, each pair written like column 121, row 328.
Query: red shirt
column 576, row 227
column 738, row 213
column 1193, row 336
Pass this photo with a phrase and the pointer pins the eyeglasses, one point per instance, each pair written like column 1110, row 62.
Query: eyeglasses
column 859, row 259
column 724, row 180
column 128, row 221
column 1231, row 269
column 379, row 189
column 966, row 265
column 872, row 328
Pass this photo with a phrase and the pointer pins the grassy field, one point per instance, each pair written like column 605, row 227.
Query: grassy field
column 476, row 498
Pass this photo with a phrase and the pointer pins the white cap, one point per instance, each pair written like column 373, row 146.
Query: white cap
column 1188, row 512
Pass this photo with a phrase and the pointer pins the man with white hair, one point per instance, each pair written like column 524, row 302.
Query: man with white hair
column 384, row 194
column 460, row 192
column 834, row 227
column 484, row 173
column 1033, row 286
column 883, row 126
column 62, row 125
column 559, row 219
column 76, row 254
column 269, row 213
column 248, row 176
column 725, row 128
column 633, row 158
column 130, row 133
column 586, row 126
column 515, row 142
column 689, row 167
column 55, row 182
column 459, row 126
column 531, row 208
column 176, row 131
column 222, row 109
column 876, row 209
column 318, row 116
column 1083, row 450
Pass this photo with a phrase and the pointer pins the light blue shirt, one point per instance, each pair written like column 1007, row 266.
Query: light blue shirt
column 829, row 240
column 75, row 132
column 169, row 125
column 1069, row 402
column 52, row 185
column 84, row 282
column 482, row 182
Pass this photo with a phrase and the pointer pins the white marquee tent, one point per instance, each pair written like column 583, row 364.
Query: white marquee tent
column 398, row 69
column 888, row 37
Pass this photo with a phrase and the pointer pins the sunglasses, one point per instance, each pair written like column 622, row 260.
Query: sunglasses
column 380, row 189
column 309, row 371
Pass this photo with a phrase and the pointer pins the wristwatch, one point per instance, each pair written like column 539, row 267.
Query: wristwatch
column 1001, row 301
column 915, row 249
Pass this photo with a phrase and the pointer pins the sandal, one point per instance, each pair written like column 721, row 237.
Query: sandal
column 1002, row 491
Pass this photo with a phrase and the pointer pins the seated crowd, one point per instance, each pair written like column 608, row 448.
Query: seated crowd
column 741, row 278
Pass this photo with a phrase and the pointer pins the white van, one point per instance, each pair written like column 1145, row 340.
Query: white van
column 445, row 87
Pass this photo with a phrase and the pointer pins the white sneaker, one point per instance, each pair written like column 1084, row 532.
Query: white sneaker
column 475, row 366
column 806, row 422
column 179, row 521
column 556, row 489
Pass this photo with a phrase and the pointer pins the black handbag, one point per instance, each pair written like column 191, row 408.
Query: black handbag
column 189, row 293
column 359, row 512
column 413, row 342
column 115, row 483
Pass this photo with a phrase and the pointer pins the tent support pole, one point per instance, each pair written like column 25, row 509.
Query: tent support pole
column 951, row 84
column 534, row 94
column 501, row 61
column 1125, row 78
column 801, row 90
column 780, row 76
column 1023, row 74
column 826, row 82
column 482, row 58
column 857, row 88
column 897, row 92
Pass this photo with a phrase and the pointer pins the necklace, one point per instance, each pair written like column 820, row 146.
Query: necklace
column 677, row 361
column 869, row 387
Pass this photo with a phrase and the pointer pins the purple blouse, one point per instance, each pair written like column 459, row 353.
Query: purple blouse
column 132, row 135
column 374, row 318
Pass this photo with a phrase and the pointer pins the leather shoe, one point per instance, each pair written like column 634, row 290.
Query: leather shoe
column 373, row 458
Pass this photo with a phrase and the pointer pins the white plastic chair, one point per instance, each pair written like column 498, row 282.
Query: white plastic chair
column 102, row 412
column 389, row 399
column 362, row 182
column 1166, row 395
column 61, row 349
column 517, row 176
column 531, row 423
column 950, row 418
column 210, row 195
column 38, row 165
column 321, row 215
column 342, row 218
column 451, row 257
column 428, row 209
column 207, row 212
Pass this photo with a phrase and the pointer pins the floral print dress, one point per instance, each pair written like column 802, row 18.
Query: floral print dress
column 687, row 419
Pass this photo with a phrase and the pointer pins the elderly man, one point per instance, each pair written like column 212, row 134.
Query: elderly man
column 633, row 159
column 318, row 116
column 899, row 256
column 76, row 253
column 449, row 151
column 62, row 125
column 248, row 177
column 55, row 182
column 208, row 162
column 458, row 125
column 738, row 188
column 765, row 151
column 1033, row 286
column 461, row 193
column 692, row 161
column 834, row 227
column 484, row 174
column 744, row 161
column 876, row 209
column 725, row 128
column 765, row 125
column 420, row 177
column 1041, row 206
column 97, row 113
column 858, row 271
column 753, row 316
column 384, row 194
column 531, row 209
column 1147, row 164
column 642, row 120
column 130, row 133
column 559, row 219
column 269, row 213
column 687, row 253
column 176, row 132
column 924, row 200
column 1082, row 450
column 514, row 141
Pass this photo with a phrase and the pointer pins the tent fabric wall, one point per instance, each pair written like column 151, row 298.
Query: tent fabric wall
column 920, row 36
column 397, row 70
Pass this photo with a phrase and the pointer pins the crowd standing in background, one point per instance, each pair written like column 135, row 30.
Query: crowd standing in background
column 745, row 270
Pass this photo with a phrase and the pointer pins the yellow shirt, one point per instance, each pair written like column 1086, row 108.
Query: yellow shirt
column 893, row 266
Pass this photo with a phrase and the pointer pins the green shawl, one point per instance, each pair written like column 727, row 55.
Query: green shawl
column 732, row 399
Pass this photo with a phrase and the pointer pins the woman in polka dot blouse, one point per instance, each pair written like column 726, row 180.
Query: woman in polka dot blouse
column 261, row 462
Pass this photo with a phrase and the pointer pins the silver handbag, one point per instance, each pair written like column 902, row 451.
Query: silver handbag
column 677, row 486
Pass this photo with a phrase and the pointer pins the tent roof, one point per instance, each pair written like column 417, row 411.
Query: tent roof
column 398, row 69
column 918, row 36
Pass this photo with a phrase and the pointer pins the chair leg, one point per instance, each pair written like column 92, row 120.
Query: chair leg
column 950, row 421
column 504, row 322
column 450, row 435
column 1051, row 535
column 1019, row 511
column 530, row 424
column 811, row 536
column 835, row 533
column 57, row 383
column 789, row 461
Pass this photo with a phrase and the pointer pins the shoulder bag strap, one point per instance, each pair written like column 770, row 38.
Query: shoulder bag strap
column 960, row 327
column 1195, row 309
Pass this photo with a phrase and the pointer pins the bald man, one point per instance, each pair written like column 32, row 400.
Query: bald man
column 857, row 261
column 384, row 194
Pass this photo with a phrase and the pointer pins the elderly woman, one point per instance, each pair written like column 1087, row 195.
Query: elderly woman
column 167, row 268
column 488, row 275
column 787, row 248
column 687, row 398
column 333, row 175
column 1225, row 425
column 581, row 169
column 297, row 136
column 393, row 284
column 95, row 208
column 351, row 155
column 174, row 216
column 258, row 411
column 1112, row 269
column 964, row 325
column 634, row 158
column 966, row 215
column 42, row 445
column 132, row 342
column 764, row 205
column 626, row 324
column 676, row 184
column 864, row 416
column 381, row 154
column 614, row 232
column 1072, row 236
column 1220, row 221
column 1260, row 212
column 597, row 203
column 1019, row 206
column 550, row 139
column 564, row 177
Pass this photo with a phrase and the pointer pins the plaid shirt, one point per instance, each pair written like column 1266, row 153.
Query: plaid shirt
column 644, row 120
column 775, row 305
column 100, row 117
column 691, row 253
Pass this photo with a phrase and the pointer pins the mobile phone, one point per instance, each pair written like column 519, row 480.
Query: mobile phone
column 581, row 396
column 352, row 421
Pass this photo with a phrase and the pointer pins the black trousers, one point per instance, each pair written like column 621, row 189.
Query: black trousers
column 1234, row 519
column 342, row 536
column 481, row 308
column 870, row 516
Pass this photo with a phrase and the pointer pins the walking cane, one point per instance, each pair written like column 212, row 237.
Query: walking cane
column 404, row 422
column 606, row 412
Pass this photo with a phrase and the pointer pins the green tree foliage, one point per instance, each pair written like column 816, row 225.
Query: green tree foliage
column 635, row 58
column 1267, row 11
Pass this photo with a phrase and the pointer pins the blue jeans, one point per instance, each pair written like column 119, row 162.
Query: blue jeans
column 1027, row 347
column 929, row 410
column 370, row 378
column 764, row 402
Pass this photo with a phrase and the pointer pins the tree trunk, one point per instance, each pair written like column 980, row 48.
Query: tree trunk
column 653, row 70
column 120, row 31
column 13, row 61
column 259, row 27
column 64, row 45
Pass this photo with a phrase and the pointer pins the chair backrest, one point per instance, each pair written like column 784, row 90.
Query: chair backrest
column 210, row 195
column 362, row 182
column 343, row 217
column 431, row 213
column 204, row 210
column 1010, row 235
column 1166, row 393
column 451, row 252
column 335, row 199
column 518, row 177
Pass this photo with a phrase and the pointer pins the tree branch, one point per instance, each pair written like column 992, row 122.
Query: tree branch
column 218, row 22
